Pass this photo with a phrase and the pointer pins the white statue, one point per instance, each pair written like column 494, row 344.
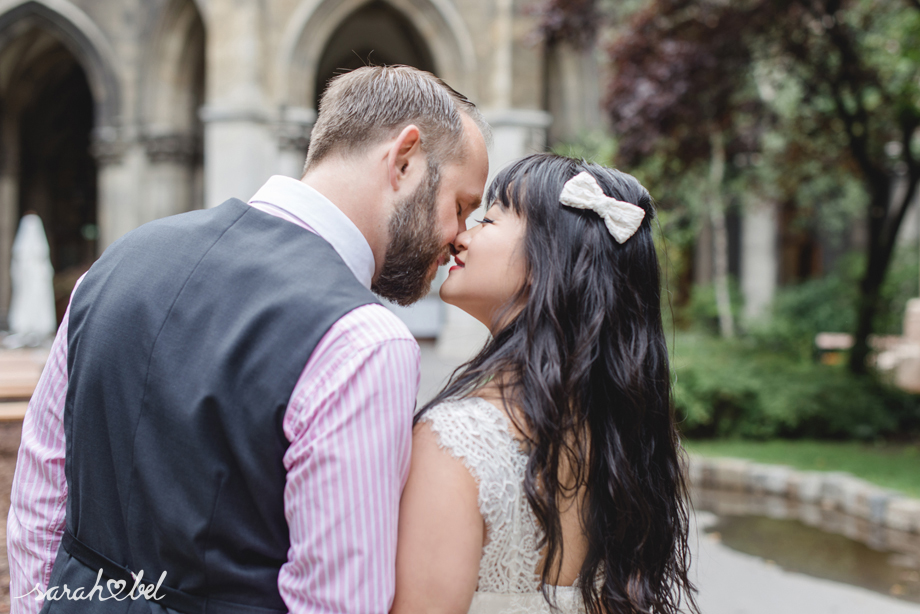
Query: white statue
column 32, row 316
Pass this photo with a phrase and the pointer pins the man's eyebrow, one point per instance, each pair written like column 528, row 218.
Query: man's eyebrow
column 473, row 203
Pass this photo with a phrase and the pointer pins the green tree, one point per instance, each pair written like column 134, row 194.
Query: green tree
column 682, row 92
column 689, row 75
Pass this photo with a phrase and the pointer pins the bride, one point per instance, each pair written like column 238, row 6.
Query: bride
column 547, row 471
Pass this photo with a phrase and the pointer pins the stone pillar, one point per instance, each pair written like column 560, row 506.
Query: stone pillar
column 573, row 93
column 9, row 209
column 9, row 220
column 170, row 176
column 516, row 133
column 293, row 133
column 239, row 153
column 759, row 258
column 120, row 161
column 503, row 55
column 240, row 145
column 702, row 257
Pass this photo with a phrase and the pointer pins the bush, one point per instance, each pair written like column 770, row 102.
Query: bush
column 802, row 311
column 738, row 389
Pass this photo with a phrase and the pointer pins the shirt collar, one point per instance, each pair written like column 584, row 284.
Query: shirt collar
column 319, row 214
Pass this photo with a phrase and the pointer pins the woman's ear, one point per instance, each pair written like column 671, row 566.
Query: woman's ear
column 404, row 153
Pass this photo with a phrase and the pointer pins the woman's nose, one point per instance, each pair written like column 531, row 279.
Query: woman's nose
column 462, row 242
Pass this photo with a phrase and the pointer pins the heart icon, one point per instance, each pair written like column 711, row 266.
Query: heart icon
column 120, row 584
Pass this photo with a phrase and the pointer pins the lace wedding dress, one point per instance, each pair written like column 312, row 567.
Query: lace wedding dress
column 479, row 434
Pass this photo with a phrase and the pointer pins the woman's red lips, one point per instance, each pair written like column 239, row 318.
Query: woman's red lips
column 459, row 264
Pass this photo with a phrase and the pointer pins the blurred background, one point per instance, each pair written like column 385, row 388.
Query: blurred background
column 780, row 138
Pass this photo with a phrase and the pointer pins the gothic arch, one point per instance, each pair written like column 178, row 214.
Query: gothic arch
column 81, row 36
column 172, row 69
column 315, row 21
column 56, row 91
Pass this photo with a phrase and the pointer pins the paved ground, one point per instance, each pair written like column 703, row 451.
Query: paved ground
column 734, row 583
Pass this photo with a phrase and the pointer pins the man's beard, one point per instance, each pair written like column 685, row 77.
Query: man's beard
column 414, row 245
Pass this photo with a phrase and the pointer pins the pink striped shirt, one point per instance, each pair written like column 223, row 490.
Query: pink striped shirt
column 349, row 422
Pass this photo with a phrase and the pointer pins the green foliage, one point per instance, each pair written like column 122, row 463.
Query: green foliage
column 901, row 285
column 701, row 311
column 737, row 389
column 817, row 105
column 597, row 147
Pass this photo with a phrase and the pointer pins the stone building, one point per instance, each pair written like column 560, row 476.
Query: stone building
column 117, row 112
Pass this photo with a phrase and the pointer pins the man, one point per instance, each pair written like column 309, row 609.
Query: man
column 224, row 422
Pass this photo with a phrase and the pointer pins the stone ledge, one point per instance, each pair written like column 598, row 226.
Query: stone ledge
column 836, row 491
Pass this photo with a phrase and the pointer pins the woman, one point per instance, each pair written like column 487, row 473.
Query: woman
column 547, row 471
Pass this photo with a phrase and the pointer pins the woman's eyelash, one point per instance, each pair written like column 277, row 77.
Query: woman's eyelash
column 485, row 220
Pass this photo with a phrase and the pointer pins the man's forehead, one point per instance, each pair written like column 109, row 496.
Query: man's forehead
column 467, row 177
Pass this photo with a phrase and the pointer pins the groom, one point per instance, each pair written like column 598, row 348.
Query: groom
column 224, row 422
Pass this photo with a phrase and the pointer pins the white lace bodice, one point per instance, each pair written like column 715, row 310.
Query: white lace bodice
column 479, row 434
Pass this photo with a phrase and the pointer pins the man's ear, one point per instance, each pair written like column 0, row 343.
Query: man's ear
column 404, row 151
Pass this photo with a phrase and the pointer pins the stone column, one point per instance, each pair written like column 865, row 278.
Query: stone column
column 121, row 160
column 759, row 258
column 702, row 256
column 293, row 133
column 240, row 146
column 9, row 209
column 515, row 133
column 573, row 93
column 170, row 176
column 9, row 220
column 239, row 153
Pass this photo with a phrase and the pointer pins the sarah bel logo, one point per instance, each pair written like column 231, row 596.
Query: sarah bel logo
column 115, row 588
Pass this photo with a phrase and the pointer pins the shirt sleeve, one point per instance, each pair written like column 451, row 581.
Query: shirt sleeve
column 39, row 496
column 349, row 422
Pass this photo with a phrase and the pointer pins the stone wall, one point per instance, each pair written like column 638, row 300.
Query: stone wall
column 831, row 491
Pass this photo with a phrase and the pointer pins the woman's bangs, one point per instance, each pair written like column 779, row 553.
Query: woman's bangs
column 509, row 188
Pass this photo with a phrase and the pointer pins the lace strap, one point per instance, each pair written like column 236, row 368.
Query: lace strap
column 476, row 432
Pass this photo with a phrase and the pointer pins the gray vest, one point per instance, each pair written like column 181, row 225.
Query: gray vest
column 186, row 339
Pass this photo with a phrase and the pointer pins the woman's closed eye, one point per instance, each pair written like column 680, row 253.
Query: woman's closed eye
column 485, row 220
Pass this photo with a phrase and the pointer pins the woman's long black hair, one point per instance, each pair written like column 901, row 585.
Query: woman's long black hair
column 585, row 367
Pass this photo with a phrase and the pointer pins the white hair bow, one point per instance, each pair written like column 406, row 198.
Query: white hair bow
column 583, row 192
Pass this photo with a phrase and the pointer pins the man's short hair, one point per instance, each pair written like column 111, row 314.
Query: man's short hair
column 373, row 103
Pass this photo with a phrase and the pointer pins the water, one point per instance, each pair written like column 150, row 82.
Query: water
column 814, row 541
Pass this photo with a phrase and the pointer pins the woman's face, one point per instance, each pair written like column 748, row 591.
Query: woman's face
column 489, row 266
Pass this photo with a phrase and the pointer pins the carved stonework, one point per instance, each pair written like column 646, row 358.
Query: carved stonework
column 174, row 148
column 294, row 136
column 108, row 146
column 294, row 128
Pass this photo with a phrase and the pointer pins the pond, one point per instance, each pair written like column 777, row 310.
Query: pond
column 814, row 541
